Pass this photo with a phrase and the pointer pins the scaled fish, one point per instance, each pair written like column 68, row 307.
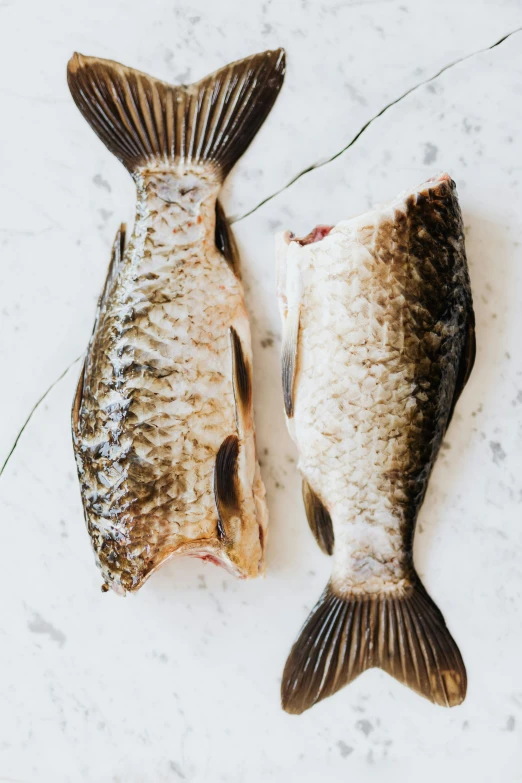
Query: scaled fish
column 162, row 420
column 378, row 343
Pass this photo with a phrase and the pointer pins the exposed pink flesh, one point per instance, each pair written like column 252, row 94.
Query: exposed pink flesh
column 210, row 559
column 318, row 233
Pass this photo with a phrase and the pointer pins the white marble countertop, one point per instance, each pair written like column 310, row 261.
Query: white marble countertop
column 181, row 682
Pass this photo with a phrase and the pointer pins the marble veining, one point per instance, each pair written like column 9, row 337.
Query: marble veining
column 181, row 682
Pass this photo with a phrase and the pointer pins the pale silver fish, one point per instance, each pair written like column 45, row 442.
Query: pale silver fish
column 378, row 343
column 162, row 421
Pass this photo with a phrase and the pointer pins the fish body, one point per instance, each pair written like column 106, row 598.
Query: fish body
column 378, row 342
column 162, row 421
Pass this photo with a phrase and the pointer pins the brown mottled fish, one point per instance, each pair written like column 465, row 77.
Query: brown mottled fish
column 378, row 343
column 162, row 421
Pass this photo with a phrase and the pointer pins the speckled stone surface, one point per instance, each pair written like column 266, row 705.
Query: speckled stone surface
column 181, row 682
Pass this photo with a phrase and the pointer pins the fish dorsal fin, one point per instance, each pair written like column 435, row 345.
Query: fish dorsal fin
column 117, row 251
column 77, row 403
column 118, row 248
column 319, row 519
column 467, row 360
column 145, row 121
column 226, row 485
column 225, row 242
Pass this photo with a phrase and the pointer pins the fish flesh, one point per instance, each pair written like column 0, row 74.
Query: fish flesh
column 162, row 421
column 378, row 343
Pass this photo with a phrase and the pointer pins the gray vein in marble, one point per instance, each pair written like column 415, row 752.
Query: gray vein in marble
column 177, row 769
column 354, row 3
column 373, row 119
column 33, row 411
column 11, row 780
column 33, row 98
column 497, row 451
column 365, row 726
column 344, row 749
column 100, row 182
column 12, row 232
column 42, row 626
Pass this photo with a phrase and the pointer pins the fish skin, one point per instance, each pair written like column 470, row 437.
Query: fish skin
column 382, row 326
column 158, row 396
column 385, row 345
column 159, row 392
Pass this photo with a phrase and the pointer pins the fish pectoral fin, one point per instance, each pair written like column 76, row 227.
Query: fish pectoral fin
column 226, row 486
column 225, row 242
column 241, row 379
column 467, row 360
column 403, row 633
column 142, row 119
column 319, row 519
column 289, row 358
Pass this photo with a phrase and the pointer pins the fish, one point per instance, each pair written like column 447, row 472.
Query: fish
column 378, row 342
column 162, row 419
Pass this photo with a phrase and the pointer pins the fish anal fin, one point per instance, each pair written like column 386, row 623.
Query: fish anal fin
column 226, row 485
column 319, row 519
column 225, row 242
column 401, row 632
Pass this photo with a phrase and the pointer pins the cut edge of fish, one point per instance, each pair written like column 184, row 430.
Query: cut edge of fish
column 321, row 230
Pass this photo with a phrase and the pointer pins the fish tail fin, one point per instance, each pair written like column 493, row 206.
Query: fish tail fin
column 404, row 634
column 146, row 122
